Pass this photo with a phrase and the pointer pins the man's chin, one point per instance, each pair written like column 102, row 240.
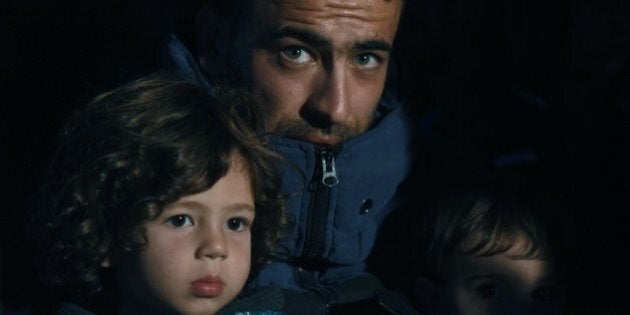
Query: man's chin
column 329, row 140
column 332, row 136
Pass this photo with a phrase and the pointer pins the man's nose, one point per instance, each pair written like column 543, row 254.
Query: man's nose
column 212, row 243
column 330, row 100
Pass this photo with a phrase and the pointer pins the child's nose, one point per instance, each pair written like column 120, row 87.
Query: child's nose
column 523, row 306
column 213, row 244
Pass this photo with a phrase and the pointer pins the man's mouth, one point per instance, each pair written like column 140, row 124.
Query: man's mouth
column 320, row 139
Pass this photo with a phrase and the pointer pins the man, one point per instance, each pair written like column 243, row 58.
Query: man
column 320, row 67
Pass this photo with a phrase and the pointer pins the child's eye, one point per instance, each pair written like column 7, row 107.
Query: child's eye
column 487, row 291
column 546, row 293
column 237, row 224
column 180, row 220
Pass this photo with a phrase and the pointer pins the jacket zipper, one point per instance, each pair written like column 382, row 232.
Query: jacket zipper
column 318, row 211
column 329, row 172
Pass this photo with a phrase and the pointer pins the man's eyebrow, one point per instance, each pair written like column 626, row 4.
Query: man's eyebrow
column 374, row 44
column 319, row 41
column 302, row 35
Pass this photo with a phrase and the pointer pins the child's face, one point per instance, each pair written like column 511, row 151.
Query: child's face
column 502, row 284
column 198, row 254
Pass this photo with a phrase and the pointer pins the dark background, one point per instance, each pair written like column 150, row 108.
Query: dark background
column 55, row 56
column 496, row 77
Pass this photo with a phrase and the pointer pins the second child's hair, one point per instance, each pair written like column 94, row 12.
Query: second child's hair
column 490, row 220
column 131, row 152
column 489, row 225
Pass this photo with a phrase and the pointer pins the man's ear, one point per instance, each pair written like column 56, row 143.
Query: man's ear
column 428, row 293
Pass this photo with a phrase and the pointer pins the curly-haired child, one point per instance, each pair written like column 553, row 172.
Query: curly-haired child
column 162, row 198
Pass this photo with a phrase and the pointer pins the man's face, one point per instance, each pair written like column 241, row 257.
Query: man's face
column 320, row 65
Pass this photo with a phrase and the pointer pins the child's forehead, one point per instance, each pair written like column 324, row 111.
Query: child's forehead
column 501, row 266
column 239, row 164
column 232, row 191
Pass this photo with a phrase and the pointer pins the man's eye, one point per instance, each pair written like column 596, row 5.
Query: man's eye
column 296, row 54
column 367, row 61
column 237, row 224
column 544, row 294
column 179, row 220
column 487, row 291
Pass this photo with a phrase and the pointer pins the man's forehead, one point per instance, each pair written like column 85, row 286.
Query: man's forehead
column 379, row 17
column 329, row 2
column 370, row 9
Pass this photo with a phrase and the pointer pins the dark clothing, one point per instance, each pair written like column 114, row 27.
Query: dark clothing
column 72, row 309
column 261, row 301
column 334, row 227
column 267, row 301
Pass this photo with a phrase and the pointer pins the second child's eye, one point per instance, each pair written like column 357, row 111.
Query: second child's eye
column 180, row 220
column 546, row 293
column 237, row 224
column 487, row 291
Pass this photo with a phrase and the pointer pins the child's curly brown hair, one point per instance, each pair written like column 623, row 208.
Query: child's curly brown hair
column 129, row 153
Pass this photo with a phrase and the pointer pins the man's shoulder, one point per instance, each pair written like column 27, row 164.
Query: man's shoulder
column 175, row 57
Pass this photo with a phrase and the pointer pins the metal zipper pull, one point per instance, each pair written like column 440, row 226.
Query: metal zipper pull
column 329, row 173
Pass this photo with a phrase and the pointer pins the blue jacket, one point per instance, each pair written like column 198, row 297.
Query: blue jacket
column 334, row 224
column 334, row 228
